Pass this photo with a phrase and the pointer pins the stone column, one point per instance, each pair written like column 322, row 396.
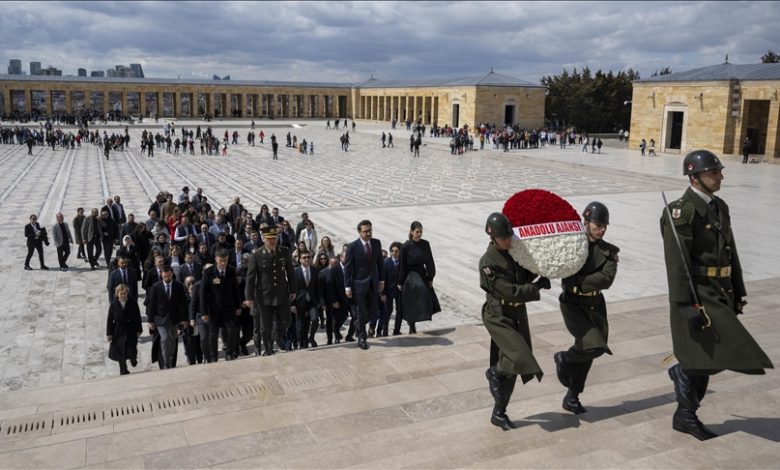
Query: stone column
column 772, row 131
column 48, row 102
column 424, row 107
column 124, row 103
column 106, row 104
column 68, row 103
column 210, row 103
column 7, row 102
column 408, row 110
column 142, row 104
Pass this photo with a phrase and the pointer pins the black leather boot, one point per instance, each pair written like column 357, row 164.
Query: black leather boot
column 561, row 368
column 494, row 383
column 687, row 390
column 499, row 417
column 686, row 421
column 578, row 376
column 571, row 402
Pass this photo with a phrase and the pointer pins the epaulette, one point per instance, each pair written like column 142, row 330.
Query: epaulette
column 612, row 249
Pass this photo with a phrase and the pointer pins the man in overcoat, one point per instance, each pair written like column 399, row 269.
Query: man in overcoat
column 706, row 292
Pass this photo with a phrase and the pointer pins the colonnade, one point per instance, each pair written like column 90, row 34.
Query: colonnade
column 178, row 102
column 422, row 108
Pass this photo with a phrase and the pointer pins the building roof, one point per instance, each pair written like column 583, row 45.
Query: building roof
column 173, row 81
column 722, row 72
column 490, row 79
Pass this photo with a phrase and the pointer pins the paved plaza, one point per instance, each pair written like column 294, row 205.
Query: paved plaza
column 53, row 322
column 410, row 397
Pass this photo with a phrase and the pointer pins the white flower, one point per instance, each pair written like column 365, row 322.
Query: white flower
column 554, row 256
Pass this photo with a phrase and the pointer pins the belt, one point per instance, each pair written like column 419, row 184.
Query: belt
column 576, row 291
column 511, row 304
column 712, row 271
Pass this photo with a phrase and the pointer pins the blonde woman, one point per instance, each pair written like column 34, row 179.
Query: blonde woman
column 123, row 327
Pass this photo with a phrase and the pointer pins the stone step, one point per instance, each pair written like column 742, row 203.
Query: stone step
column 411, row 401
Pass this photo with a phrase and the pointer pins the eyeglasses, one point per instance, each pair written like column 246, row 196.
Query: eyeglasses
column 305, row 257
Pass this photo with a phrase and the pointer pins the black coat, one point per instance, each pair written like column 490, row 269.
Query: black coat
column 196, row 271
column 415, row 274
column 163, row 311
column 219, row 297
column 123, row 324
column 132, row 283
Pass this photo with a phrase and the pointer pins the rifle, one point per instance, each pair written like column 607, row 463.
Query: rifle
column 696, row 304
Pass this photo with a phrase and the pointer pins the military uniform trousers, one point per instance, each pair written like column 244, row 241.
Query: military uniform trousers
column 270, row 318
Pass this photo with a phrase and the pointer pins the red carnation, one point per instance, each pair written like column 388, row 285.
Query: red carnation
column 549, row 237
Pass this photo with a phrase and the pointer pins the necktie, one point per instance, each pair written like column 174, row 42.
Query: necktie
column 124, row 276
column 306, row 276
column 168, row 291
column 367, row 248
column 713, row 205
column 221, row 274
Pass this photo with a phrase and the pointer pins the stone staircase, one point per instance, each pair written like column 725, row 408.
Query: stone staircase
column 411, row 401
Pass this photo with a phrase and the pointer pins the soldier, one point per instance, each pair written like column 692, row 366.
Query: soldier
column 508, row 287
column 584, row 309
column 706, row 292
column 271, row 285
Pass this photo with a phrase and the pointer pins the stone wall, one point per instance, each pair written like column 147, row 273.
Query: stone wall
column 715, row 114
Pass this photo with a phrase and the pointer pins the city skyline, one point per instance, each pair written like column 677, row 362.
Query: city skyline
column 348, row 42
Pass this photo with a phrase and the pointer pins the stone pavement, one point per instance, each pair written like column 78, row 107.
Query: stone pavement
column 52, row 325
column 417, row 401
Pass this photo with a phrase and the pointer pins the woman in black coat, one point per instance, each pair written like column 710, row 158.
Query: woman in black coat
column 123, row 327
column 416, row 271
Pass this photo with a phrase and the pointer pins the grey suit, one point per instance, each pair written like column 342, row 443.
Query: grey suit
column 62, row 240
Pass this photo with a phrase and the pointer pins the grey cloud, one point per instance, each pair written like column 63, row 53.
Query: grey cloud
column 350, row 40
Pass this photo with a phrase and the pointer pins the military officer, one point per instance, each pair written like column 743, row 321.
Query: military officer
column 270, row 287
column 706, row 292
column 508, row 287
column 584, row 309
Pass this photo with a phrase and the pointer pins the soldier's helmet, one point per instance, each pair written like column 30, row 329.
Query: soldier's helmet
column 498, row 225
column 699, row 161
column 597, row 213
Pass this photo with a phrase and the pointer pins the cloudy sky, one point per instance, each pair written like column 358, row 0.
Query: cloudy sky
column 344, row 41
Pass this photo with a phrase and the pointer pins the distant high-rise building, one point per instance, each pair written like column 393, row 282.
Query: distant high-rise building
column 35, row 68
column 14, row 67
column 97, row 73
column 137, row 70
column 82, row 72
column 52, row 71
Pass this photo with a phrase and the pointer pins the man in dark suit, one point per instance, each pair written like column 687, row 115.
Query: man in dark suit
column 206, row 237
column 221, row 305
column 276, row 218
column 113, row 211
column 36, row 237
column 166, row 309
column 364, row 278
column 109, row 234
column 153, row 275
column 120, row 211
column 123, row 275
column 331, row 293
column 190, row 268
column 306, row 302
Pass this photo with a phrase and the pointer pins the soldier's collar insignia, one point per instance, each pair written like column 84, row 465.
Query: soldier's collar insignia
column 676, row 213
column 487, row 271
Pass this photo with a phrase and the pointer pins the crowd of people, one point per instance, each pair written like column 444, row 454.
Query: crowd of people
column 203, row 273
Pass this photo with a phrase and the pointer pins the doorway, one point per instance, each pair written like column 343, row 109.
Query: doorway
column 757, row 123
column 509, row 114
column 455, row 116
column 674, row 130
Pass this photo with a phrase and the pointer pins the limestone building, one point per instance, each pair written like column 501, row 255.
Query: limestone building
column 714, row 108
column 492, row 97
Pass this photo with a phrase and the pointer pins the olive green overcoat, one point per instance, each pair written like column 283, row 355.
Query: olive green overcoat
column 707, row 242
column 585, row 316
column 508, row 287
